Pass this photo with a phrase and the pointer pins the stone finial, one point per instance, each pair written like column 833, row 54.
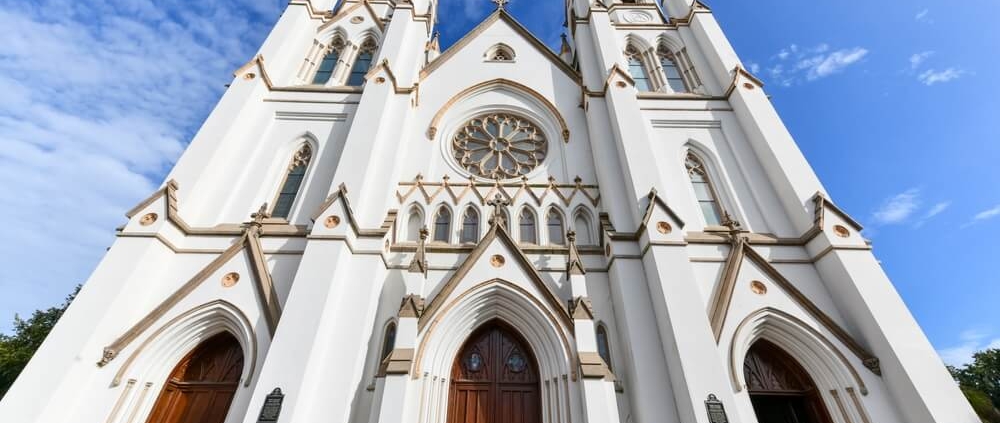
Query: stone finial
column 574, row 265
column 500, row 3
column 419, row 262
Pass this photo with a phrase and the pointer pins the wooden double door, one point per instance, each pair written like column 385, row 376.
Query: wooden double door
column 201, row 387
column 494, row 379
column 780, row 389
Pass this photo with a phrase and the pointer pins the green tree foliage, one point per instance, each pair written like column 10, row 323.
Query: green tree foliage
column 17, row 349
column 980, row 381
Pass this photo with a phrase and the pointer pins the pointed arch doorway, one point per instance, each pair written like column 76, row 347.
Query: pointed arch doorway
column 201, row 387
column 780, row 389
column 494, row 379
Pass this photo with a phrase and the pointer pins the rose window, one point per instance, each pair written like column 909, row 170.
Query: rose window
column 499, row 146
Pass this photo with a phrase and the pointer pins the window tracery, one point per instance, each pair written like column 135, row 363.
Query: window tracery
column 413, row 224
column 671, row 70
column 329, row 62
column 294, row 175
column 603, row 345
column 637, row 69
column 708, row 199
column 362, row 63
column 499, row 146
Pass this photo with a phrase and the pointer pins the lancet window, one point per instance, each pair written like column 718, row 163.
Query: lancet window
column 528, row 229
column 704, row 190
column 581, row 225
column 603, row 344
column 294, row 176
column 329, row 62
column 362, row 63
column 637, row 69
column 470, row 226
column 442, row 225
column 554, row 225
column 671, row 70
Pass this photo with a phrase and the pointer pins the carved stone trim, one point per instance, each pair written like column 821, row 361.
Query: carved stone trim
column 592, row 366
column 485, row 191
column 399, row 362
column 581, row 308
column 411, row 306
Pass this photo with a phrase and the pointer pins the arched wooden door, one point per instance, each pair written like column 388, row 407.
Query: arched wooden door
column 780, row 389
column 494, row 379
column 201, row 387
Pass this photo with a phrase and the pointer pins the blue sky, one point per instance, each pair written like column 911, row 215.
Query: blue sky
column 895, row 107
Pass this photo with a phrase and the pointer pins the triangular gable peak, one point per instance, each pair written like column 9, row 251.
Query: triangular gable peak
column 743, row 257
column 497, row 241
column 500, row 15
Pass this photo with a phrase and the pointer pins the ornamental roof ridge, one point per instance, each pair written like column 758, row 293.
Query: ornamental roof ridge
column 483, row 190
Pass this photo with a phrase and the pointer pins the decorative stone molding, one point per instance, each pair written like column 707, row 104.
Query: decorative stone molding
column 592, row 366
column 419, row 262
column 399, row 362
column 574, row 265
column 484, row 191
column 412, row 306
column 581, row 308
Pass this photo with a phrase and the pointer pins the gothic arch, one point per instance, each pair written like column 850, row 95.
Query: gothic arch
column 825, row 363
column 500, row 52
column 501, row 84
column 327, row 35
column 590, row 237
column 638, row 42
column 497, row 299
column 153, row 360
column 409, row 232
column 717, row 175
column 451, row 222
column 670, row 42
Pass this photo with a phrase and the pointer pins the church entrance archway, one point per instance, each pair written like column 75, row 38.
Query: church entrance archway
column 201, row 387
column 780, row 389
column 494, row 379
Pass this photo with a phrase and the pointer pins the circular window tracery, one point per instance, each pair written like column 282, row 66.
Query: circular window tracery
column 499, row 146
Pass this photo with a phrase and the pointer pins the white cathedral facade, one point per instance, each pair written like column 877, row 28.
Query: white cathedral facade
column 367, row 229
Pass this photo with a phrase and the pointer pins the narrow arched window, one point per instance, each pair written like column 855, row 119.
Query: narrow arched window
column 442, row 225
column 603, row 345
column 669, row 63
column 704, row 191
column 294, row 175
column 528, row 232
column 584, row 233
column 388, row 340
column 362, row 63
column 554, row 224
column 637, row 69
column 413, row 224
column 329, row 63
column 470, row 226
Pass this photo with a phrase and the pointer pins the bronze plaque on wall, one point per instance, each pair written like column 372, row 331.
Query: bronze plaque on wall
column 716, row 412
column 272, row 407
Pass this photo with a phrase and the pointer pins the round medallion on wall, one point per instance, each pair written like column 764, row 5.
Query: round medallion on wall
column 499, row 146
column 357, row 19
column 331, row 222
column 758, row 287
column 637, row 17
column 148, row 219
column 663, row 227
column 497, row 260
column 230, row 279
column 841, row 231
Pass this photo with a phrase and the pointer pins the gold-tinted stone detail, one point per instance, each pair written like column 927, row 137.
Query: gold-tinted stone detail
column 148, row 219
column 331, row 221
column 230, row 279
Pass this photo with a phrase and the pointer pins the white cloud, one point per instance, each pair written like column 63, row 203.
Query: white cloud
column 988, row 214
column 922, row 16
column 898, row 208
column 919, row 58
column 98, row 101
column 754, row 67
column 937, row 209
column 795, row 64
column 934, row 76
column 970, row 342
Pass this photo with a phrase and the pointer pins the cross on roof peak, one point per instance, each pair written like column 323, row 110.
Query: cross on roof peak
column 500, row 3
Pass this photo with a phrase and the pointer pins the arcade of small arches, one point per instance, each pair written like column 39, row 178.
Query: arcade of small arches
column 338, row 62
column 529, row 226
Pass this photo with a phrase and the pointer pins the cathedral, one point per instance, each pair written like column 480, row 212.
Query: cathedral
column 367, row 229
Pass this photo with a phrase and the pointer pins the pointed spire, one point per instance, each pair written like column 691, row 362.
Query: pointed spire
column 419, row 262
column 565, row 52
column 574, row 266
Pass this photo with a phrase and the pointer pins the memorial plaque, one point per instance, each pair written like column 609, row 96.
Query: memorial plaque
column 272, row 407
column 716, row 412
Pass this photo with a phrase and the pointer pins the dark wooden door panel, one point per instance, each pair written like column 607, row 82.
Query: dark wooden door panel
column 202, row 386
column 494, row 380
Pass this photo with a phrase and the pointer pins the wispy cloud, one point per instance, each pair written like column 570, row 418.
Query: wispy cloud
column 98, row 101
column 919, row 58
column 795, row 64
column 970, row 342
column 983, row 216
column 923, row 16
column 898, row 208
column 754, row 67
column 934, row 76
